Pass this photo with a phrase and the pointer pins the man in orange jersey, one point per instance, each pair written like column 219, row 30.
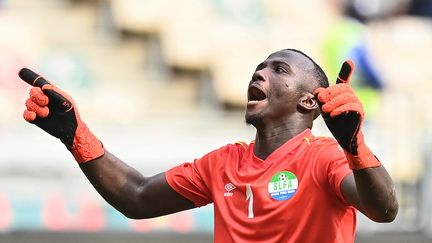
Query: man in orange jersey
column 286, row 186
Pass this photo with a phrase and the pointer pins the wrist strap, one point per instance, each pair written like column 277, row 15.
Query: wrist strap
column 364, row 158
column 86, row 147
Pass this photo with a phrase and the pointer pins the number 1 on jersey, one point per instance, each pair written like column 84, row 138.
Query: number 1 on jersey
column 249, row 196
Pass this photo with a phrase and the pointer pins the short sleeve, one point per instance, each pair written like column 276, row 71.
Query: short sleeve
column 186, row 180
column 337, row 171
column 193, row 180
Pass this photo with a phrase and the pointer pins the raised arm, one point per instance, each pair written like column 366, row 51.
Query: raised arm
column 120, row 185
column 371, row 191
column 370, row 188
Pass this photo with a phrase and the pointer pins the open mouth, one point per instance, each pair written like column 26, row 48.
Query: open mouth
column 255, row 94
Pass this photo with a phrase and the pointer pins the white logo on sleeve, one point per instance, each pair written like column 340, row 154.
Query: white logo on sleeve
column 229, row 187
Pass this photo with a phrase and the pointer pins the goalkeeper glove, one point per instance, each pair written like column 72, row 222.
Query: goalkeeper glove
column 55, row 112
column 343, row 114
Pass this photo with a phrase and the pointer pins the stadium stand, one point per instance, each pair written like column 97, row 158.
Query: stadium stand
column 173, row 68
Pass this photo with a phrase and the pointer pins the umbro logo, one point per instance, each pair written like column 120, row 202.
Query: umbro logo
column 229, row 187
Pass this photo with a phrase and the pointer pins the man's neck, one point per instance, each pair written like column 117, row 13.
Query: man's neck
column 270, row 138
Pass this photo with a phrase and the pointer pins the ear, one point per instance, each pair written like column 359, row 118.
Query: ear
column 308, row 102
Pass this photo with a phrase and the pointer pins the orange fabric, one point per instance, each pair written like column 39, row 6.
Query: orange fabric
column 252, row 202
column 32, row 107
column 37, row 96
column 364, row 159
column 86, row 146
column 29, row 115
column 36, row 105
column 339, row 99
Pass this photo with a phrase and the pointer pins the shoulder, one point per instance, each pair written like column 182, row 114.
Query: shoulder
column 319, row 143
column 323, row 141
column 241, row 145
column 231, row 149
column 217, row 159
column 236, row 148
column 326, row 149
column 329, row 162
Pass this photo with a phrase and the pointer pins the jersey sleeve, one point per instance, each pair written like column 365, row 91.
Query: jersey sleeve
column 338, row 169
column 193, row 180
column 186, row 180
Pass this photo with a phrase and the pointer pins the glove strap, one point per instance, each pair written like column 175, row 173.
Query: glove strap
column 364, row 157
column 86, row 147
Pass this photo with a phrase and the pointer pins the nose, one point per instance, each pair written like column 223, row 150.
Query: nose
column 258, row 75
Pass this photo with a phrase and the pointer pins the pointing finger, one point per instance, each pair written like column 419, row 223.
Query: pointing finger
column 345, row 73
column 32, row 78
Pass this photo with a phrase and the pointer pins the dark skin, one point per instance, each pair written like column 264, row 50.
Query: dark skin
column 131, row 193
column 280, row 105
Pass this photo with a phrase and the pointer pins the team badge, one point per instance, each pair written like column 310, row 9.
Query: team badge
column 283, row 185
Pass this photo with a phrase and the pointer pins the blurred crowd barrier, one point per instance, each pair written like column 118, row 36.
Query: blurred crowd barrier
column 85, row 212
column 137, row 67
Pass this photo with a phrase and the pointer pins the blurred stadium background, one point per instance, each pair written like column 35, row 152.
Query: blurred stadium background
column 162, row 82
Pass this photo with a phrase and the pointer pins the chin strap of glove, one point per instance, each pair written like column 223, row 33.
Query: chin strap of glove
column 343, row 114
column 55, row 112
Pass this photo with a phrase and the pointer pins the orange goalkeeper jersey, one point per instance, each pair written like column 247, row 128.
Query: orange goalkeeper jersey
column 292, row 196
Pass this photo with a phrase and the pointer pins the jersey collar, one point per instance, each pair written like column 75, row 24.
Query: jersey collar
column 304, row 137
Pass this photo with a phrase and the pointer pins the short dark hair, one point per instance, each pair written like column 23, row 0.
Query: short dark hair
column 319, row 74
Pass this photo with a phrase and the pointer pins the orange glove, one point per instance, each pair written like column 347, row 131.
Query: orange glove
column 343, row 114
column 55, row 112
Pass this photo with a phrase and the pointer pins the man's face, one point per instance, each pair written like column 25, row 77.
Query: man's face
column 276, row 87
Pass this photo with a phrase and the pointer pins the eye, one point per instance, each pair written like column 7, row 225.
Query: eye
column 280, row 69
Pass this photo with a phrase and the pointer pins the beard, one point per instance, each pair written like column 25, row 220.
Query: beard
column 253, row 119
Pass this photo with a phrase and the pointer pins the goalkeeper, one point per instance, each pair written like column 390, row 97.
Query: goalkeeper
column 285, row 186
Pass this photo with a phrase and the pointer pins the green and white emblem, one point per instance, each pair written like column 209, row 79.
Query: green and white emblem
column 283, row 185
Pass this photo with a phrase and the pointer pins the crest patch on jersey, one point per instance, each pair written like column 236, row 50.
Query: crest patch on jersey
column 283, row 185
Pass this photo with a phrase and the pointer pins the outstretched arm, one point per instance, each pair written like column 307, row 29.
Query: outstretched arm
column 370, row 188
column 130, row 192
column 123, row 187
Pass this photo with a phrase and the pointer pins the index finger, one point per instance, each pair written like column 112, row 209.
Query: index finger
column 32, row 78
column 345, row 73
